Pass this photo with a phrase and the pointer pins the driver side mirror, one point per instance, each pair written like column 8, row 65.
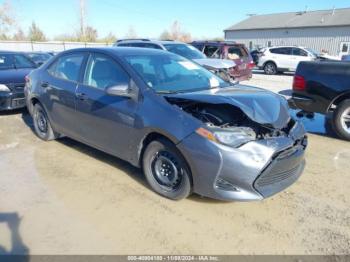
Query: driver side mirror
column 128, row 90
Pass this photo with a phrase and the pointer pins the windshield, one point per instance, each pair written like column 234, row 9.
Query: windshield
column 187, row 51
column 168, row 73
column 313, row 52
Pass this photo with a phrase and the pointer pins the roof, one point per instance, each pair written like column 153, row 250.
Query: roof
column 321, row 18
column 116, row 50
column 144, row 40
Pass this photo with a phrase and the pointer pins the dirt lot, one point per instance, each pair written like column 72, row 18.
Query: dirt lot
column 63, row 197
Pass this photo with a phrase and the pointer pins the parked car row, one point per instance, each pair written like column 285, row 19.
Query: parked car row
column 228, row 60
column 14, row 67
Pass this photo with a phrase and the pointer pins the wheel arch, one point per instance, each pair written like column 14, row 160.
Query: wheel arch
column 340, row 98
column 152, row 136
column 270, row 61
column 155, row 135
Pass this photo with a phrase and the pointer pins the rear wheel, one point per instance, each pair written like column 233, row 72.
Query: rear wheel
column 42, row 124
column 166, row 170
column 270, row 68
column 341, row 120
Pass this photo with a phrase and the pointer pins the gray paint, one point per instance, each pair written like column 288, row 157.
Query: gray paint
column 326, row 38
column 118, row 125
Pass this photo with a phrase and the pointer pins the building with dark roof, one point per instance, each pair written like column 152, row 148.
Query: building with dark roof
column 324, row 30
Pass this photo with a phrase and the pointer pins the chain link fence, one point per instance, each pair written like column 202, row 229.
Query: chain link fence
column 54, row 46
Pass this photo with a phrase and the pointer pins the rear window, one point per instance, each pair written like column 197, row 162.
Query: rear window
column 187, row 51
column 236, row 52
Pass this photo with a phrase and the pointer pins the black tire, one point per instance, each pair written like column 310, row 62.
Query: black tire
column 166, row 170
column 270, row 68
column 341, row 120
column 42, row 124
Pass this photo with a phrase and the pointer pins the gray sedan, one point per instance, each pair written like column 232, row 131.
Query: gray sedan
column 187, row 128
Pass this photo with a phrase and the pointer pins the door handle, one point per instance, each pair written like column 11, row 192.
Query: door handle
column 44, row 84
column 81, row 96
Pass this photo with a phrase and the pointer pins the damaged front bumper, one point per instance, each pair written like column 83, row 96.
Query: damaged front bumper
column 254, row 171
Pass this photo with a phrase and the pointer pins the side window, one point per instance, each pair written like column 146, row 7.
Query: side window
column 67, row 67
column 6, row 61
column 281, row 51
column 212, row 51
column 152, row 46
column 123, row 45
column 102, row 72
column 299, row 52
column 23, row 62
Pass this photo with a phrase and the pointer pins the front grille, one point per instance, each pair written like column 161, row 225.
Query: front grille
column 18, row 87
column 283, row 171
column 272, row 178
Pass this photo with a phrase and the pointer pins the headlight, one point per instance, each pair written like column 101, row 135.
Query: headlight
column 234, row 136
column 4, row 88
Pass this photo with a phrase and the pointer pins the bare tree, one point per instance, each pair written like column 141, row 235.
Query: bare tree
column 7, row 21
column 35, row 33
column 19, row 35
column 176, row 33
column 110, row 38
column 90, row 34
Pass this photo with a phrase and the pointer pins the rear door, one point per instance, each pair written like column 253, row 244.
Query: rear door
column 106, row 122
column 59, row 85
column 282, row 57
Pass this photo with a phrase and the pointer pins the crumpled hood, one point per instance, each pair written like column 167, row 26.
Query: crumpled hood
column 212, row 63
column 261, row 106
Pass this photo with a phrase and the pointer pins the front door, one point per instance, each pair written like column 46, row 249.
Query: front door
column 106, row 122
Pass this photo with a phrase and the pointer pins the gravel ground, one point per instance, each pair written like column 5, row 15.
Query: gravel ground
column 63, row 197
column 281, row 83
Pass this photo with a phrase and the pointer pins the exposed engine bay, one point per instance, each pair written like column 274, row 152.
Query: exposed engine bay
column 226, row 116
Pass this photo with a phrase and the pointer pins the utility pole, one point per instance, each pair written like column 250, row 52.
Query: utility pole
column 82, row 17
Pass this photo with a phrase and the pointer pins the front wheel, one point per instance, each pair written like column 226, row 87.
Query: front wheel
column 166, row 170
column 42, row 124
column 341, row 120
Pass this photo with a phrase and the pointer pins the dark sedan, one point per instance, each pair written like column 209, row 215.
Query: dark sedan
column 14, row 67
column 188, row 129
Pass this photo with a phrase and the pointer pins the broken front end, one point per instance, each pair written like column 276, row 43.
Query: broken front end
column 248, row 148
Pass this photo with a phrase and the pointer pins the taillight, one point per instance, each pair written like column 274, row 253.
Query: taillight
column 299, row 83
column 251, row 65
